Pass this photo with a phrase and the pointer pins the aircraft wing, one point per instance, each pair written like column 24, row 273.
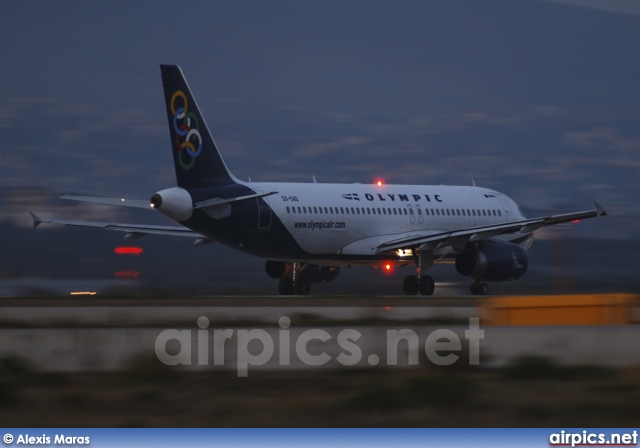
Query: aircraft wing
column 133, row 231
column 442, row 239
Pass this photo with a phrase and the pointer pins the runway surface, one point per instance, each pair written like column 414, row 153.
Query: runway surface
column 97, row 334
column 213, row 301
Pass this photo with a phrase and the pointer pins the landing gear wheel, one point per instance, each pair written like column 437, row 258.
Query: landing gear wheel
column 426, row 285
column 285, row 287
column 410, row 285
column 301, row 288
column 479, row 289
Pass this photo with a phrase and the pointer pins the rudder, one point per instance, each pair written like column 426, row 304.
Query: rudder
column 196, row 158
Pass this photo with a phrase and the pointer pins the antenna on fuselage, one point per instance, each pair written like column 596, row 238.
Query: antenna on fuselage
column 473, row 182
column 314, row 179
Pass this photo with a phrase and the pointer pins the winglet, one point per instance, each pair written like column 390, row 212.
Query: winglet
column 36, row 220
column 599, row 209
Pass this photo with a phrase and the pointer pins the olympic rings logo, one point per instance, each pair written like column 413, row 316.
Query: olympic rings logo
column 186, row 127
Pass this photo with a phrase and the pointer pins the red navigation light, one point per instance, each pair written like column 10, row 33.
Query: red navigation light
column 126, row 274
column 575, row 221
column 123, row 250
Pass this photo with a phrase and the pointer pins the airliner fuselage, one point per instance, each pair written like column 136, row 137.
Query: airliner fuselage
column 308, row 231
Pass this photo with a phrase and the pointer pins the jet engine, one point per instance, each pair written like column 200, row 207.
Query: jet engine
column 310, row 273
column 277, row 269
column 496, row 263
column 313, row 273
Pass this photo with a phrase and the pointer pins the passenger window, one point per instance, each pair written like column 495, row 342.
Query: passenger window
column 331, row 210
column 288, row 209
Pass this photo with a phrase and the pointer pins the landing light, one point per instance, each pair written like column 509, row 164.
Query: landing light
column 404, row 253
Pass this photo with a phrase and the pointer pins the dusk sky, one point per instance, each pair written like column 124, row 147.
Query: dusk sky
column 537, row 99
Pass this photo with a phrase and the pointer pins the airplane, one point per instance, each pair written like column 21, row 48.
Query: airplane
column 308, row 231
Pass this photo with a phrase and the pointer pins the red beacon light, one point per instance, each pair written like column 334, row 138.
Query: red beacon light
column 379, row 183
column 122, row 250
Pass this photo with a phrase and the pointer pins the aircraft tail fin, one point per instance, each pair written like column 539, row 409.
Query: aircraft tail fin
column 197, row 161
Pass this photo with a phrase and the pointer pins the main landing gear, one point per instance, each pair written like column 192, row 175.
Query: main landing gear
column 412, row 285
column 420, row 283
column 294, row 285
column 288, row 287
column 479, row 289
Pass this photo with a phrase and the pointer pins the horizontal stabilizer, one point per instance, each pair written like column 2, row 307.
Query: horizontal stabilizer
column 137, row 203
column 133, row 231
column 221, row 201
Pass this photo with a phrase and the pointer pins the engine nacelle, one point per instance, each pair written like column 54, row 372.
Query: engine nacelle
column 175, row 202
column 313, row 273
column 495, row 263
column 277, row 269
column 310, row 273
